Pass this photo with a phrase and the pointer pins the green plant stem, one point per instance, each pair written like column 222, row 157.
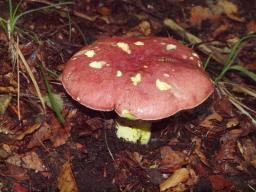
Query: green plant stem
column 232, row 56
column 51, row 98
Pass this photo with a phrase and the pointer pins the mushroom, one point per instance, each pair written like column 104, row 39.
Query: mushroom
column 141, row 78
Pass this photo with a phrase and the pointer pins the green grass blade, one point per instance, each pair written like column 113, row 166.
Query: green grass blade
column 207, row 62
column 244, row 71
column 53, row 101
column 81, row 32
column 38, row 9
column 10, row 8
column 232, row 56
column 3, row 24
column 41, row 8
column 16, row 9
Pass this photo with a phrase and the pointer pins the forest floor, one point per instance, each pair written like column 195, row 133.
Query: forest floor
column 209, row 148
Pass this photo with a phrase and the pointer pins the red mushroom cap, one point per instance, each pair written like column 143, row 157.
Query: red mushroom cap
column 148, row 78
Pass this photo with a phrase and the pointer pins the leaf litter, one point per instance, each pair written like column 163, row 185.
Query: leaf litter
column 211, row 146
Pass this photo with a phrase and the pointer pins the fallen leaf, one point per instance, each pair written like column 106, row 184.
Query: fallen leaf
column 95, row 123
column 18, row 173
column 251, row 26
column 209, row 120
column 16, row 187
column 227, row 6
column 232, row 122
column 4, row 102
column 171, row 160
column 104, row 11
column 30, row 129
column 29, row 160
column 221, row 29
column 219, row 182
column 66, row 179
column 145, row 28
column 59, row 134
column 179, row 176
column 227, row 149
column 44, row 133
column 198, row 150
column 223, row 106
column 248, row 150
column 200, row 14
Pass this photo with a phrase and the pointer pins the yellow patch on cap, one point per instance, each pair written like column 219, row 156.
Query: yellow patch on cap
column 119, row 73
column 90, row 53
column 170, row 47
column 97, row 64
column 124, row 46
column 162, row 86
column 136, row 79
column 139, row 43
column 195, row 55
column 81, row 52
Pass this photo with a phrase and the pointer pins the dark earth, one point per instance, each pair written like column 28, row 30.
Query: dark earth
column 209, row 148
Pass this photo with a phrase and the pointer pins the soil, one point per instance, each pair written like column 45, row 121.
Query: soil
column 215, row 143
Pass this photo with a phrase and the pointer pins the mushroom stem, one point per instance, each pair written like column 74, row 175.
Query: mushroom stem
column 133, row 130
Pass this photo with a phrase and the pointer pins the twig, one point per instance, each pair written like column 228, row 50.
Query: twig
column 18, row 90
column 106, row 141
column 31, row 75
column 76, row 13
column 206, row 49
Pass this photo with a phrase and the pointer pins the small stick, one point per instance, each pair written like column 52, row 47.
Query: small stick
column 206, row 49
column 76, row 13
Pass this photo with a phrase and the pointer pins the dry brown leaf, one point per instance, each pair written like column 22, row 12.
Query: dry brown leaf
column 41, row 135
column 18, row 173
column 232, row 122
column 198, row 150
column 208, row 121
column 16, row 187
column 95, row 123
column 200, row 14
column 30, row 129
column 104, row 11
column 227, row 6
column 251, row 26
column 179, row 176
column 54, row 132
column 223, row 106
column 248, row 150
column 145, row 28
column 59, row 134
column 221, row 29
column 219, row 182
column 66, row 179
column 227, row 149
column 4, row 102
column 171, row 160
column 28, row 160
